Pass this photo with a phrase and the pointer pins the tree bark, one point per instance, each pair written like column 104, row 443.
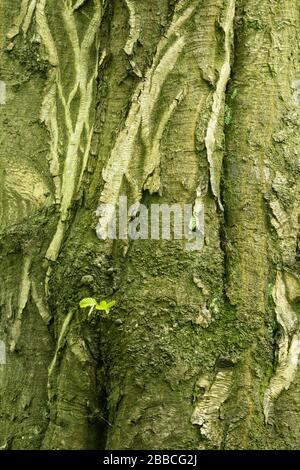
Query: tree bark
column 169, row 102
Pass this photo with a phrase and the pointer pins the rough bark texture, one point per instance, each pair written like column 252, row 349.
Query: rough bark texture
column 163, row 101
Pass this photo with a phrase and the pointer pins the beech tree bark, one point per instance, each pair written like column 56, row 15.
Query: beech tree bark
column 163, row 101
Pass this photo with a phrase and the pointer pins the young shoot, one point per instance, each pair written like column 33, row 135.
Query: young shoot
column 92, row 304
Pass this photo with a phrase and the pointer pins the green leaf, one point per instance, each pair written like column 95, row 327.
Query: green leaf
column 105, row 306
column 101, row 306
column 111, row 304
column 88, row 302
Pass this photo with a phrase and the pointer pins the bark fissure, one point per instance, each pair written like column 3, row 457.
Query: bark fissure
column 288, row 348
column 217, row 116
column 140, row 119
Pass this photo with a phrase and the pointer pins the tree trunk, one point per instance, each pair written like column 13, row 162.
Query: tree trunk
column 165, row 102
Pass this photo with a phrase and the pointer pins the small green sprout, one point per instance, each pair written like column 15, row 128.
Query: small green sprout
column 88, row 302
column 92, row 304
